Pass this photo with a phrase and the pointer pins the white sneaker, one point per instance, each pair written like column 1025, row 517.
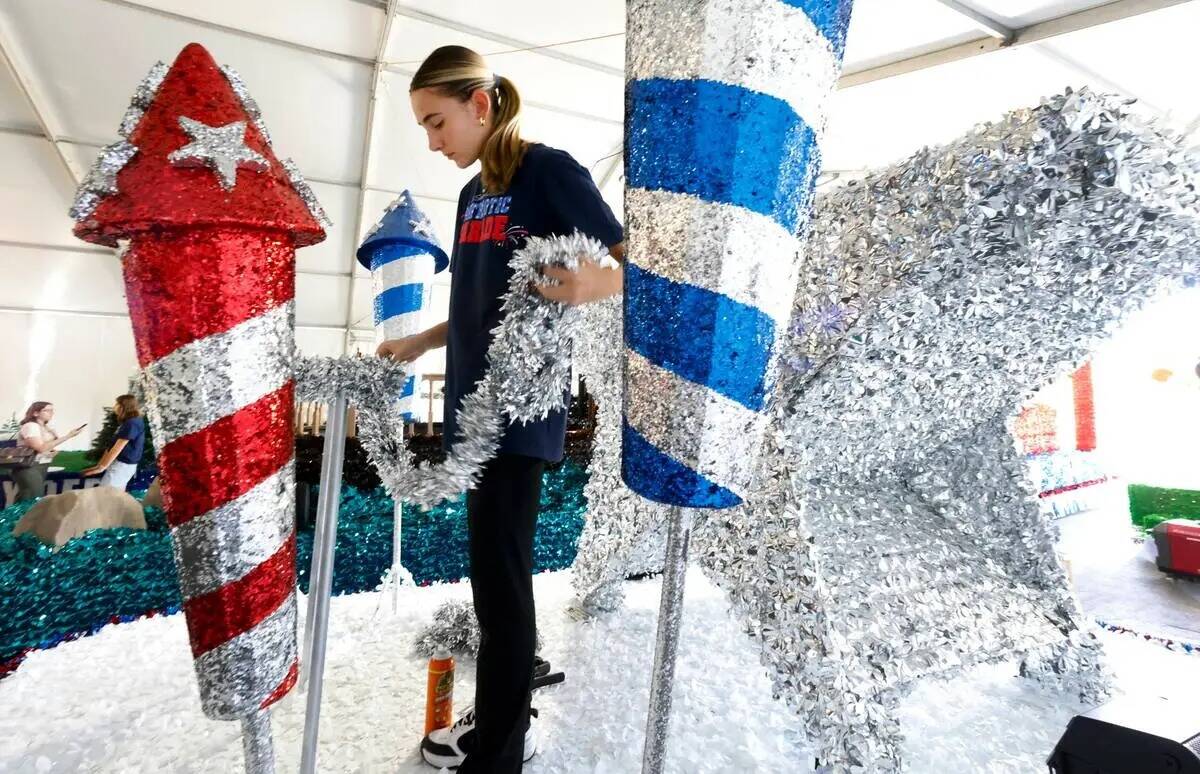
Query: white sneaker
column 448, row 747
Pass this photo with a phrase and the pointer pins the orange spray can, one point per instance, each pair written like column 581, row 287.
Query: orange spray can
column 439, row 691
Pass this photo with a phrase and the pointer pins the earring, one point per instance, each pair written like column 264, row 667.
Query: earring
column 481, row 121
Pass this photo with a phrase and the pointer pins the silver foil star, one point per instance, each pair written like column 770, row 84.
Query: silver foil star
column 892, row 533
column 221, row 148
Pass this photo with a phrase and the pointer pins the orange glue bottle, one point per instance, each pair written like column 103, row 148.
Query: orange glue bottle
column 439, row 691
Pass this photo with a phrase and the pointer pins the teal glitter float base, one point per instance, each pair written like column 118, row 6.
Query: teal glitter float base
column 114, row 575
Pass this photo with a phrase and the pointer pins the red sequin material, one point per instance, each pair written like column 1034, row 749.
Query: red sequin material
column 152, row 193
column 185, row 285
column 240, row 606
column 210, row 251
column 227, row 458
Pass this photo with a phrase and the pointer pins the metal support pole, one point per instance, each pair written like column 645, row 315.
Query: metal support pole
column 397, row 569
column 320, row 584
column 256, row 743
column 670, row 614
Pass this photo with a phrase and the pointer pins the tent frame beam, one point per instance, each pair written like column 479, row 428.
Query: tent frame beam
column 32, row 92
column 981, row 20
column 1022, row 36
column 364, row 175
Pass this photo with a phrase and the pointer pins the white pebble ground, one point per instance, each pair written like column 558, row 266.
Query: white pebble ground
column 125, row 700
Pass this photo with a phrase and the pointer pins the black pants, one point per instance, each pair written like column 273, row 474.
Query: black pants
column 501, row 517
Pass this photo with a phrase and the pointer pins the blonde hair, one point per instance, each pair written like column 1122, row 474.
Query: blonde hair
column 456, row 71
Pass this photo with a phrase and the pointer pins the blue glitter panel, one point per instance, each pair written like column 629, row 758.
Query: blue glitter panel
column 831, row 17
column 705, row 337
column 721, row 143
column 660, row 478
column 398, row 300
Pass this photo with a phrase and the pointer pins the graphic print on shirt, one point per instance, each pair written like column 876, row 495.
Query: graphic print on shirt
column 486, row 220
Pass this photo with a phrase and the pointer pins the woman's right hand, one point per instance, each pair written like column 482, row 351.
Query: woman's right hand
column 403, row 350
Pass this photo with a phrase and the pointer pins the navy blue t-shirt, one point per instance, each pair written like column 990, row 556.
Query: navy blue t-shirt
column 133, row 430
column 550, row 194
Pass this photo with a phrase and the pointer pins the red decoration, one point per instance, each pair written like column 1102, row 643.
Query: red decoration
column 152, row 193
column 210, row 277
column 1035, row 429
column 1085, row 409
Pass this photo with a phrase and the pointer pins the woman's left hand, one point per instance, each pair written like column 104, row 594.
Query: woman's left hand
column 591, row 282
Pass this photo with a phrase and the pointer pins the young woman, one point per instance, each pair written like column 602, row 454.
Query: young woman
column 36, row 434
column 523, row 190
column 120, row 462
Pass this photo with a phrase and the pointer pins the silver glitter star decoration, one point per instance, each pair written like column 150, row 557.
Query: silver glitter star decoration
column 893, row 534
column 221, row 148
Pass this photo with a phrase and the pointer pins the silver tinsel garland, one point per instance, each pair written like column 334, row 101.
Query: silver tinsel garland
column 455, row 628
column 528, row 376
column 623, row 532
column 892, row 533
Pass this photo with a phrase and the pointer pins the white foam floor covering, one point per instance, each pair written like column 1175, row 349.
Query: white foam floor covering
column 125, row 700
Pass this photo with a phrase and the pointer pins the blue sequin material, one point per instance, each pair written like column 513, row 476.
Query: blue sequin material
column 401, row 299
column 831, row 18
column 114, row 575
column 705, row 337
column 665, row 480
column 721, row 143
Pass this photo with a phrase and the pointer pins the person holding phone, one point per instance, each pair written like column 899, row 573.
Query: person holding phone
column 36, row 434
column 120, row 462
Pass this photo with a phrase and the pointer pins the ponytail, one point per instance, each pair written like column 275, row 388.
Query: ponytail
column 504, row 149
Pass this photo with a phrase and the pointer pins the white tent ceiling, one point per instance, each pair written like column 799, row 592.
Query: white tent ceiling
column 332, row 79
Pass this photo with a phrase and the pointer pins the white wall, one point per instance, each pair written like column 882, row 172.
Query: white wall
column 1149, row 431
column 80, row 364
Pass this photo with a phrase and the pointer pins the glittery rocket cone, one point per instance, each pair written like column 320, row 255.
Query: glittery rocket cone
column 725, row 108
column 212, row 220
column 402, row 254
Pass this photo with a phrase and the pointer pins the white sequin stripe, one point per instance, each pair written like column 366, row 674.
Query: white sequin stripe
column 404, row 271
column 221, row 546
column 763, row 45
column 720, row 440
column 238, row 675
column 719, row 247
column 213, row 377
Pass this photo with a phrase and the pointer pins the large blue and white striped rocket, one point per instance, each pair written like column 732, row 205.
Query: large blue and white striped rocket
column 403, row 254
column 725, row 108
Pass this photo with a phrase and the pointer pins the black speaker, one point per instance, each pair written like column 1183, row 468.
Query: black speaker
column 1131, row 736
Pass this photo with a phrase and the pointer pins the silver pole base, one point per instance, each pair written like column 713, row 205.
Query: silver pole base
column 670, row 614
column 257, row 745
column 320, row 586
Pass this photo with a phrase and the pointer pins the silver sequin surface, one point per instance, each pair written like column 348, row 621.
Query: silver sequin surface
column 892, row 533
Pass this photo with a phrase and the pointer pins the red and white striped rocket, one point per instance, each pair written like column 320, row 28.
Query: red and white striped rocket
column 212, row 220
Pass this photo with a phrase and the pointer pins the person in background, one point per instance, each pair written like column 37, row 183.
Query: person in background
column 35, row 433
column 120, row 462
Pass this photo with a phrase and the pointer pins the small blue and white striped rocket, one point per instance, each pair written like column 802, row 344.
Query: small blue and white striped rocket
column 725, row 108
column 403, row 254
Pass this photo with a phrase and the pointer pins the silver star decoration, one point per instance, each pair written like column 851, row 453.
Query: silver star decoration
column 893, row 534
column 221, row 148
